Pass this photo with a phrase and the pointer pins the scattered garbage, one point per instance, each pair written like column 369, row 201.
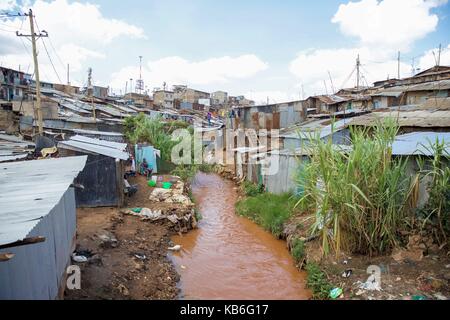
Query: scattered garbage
column 79, row 259
column 183, row 267
column 108, row 240
column 175, row 248
column 152, row 183
column 166, row 185
column 347, row 273
column 136, row 210
column 335, row 293
column 418, row 297
column 140, row 256
column 147, row 214
column 439, row 296
column 81, row 255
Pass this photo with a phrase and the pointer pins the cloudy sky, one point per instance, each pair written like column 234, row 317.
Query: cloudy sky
column 260, row 48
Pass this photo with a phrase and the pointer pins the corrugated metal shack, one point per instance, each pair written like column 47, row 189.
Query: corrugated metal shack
column 418, row 144
column 293, row 137
column 37, row 203
column 13, row 148
column 273, row 116
column 102, row 178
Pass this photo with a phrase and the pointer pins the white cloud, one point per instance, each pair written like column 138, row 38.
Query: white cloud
column 383, row 28
column 176, row 70
column 78, row 31
column 274, row 96
column 393, row 24
column 429, row 59
column 6, row 5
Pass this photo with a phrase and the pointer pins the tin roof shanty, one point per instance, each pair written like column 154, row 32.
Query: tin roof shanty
column 107, row 148
column 419, row 143
column 14, row 148
column 29, row 191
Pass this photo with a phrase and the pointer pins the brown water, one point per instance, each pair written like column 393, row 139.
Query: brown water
column 230, row 257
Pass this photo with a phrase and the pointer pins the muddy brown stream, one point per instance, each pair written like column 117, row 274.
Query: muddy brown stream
column 230, row 257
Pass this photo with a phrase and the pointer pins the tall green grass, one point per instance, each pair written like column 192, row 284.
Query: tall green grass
column 269, row 210
column 141, row 129
column 437, row 209
column 359, row 196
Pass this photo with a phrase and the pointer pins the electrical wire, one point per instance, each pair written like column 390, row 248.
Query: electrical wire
column 46, row 50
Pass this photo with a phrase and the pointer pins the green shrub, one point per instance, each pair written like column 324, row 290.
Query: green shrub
column 437, row 210
column 268, row 210
column 141, row 129
column 298, row 250
column 317, row 281
column 250, row 189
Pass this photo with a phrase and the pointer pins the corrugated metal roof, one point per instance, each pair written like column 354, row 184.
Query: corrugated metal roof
column 307, row 129
column 106, row 148
column 98, row 133
column 98, row 142
column 419, row 143
column 415, row 118
column 30, row 190
column 14, row 148
column 384, row 93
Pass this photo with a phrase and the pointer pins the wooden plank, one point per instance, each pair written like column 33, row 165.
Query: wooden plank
column 23, row 242
column 6, row 256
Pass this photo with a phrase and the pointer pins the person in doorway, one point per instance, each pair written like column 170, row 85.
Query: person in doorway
column 209, row 118
column 146, row 170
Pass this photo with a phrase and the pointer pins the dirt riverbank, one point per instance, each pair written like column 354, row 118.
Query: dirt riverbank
column 128, row 256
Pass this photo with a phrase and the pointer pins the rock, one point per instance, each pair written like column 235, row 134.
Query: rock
column 108, row 240
column 437, row 284
column 439, row 296
column 433, row 249
column 359, row 292
column 123, row 290
column 160, row 194
column 181, row 198
column 175, row 248
column 400, row 255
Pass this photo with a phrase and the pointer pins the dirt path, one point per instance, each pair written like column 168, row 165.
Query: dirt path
column 129, row 255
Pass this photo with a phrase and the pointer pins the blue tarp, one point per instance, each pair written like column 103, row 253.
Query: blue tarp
column 148, row 153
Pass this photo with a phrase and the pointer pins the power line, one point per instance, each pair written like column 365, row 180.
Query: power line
column 51, row 61
column 46, row 50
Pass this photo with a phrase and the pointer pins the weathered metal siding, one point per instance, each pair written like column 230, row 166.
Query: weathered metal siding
column 99, row 179
column 283, row 180
column 36, row 271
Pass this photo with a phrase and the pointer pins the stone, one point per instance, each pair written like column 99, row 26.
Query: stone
column 439, row 296
column 123, row 290
column 400, row 255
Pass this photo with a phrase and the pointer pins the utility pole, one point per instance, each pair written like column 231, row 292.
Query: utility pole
column 439, row 56
column 412, row 67
column 36, row 66
column 140, row 83
column 325, row 84
column 398, row 66
column 126, row 88
column 358, row 63
column 90, row 91
column 68, row 75
column 331, row 80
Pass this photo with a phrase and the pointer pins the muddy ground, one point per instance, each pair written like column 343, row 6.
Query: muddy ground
column 129, row 256
column 420, row 270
